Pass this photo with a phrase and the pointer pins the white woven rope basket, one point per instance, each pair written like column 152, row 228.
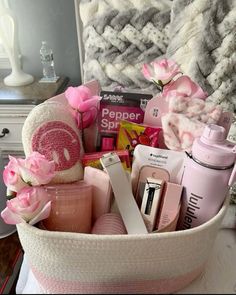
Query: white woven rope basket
column 64, row 262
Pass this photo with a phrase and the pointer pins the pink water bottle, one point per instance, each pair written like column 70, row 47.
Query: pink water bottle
column 209, row 172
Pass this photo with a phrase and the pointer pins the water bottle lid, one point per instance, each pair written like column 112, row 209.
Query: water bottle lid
column 212, row 148
column 213, row 134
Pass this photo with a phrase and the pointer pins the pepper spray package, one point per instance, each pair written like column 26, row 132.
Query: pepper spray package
column 117, row 106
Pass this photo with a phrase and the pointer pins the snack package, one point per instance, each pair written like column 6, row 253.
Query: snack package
column 93, row 159
column 131, row 134
column 117, row 106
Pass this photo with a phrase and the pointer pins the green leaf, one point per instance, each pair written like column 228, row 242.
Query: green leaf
column 9, row 197
column 157, row 85
column 160, row 83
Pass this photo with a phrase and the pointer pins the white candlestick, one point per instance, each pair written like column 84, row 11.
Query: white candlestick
column 9, row 40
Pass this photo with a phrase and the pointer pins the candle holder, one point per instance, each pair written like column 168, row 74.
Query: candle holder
column 71, row 209
column 9, row 38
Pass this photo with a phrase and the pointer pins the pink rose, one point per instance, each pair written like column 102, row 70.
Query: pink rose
column 163, row 70
column 184, row 87
column 31, row 205
column 36, row 169
column 11, row 175
column 81, row 99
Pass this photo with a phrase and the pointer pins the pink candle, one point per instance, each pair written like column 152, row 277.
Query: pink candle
column 71, row 207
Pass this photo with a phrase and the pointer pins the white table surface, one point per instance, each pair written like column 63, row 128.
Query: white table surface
column 219, row 276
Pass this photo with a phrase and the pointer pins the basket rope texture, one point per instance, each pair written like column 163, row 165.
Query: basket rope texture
column 82, row 263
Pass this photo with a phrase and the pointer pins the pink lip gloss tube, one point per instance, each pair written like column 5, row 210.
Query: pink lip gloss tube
column 170, row 207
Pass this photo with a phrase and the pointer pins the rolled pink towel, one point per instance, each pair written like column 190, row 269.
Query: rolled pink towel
column 109, row 224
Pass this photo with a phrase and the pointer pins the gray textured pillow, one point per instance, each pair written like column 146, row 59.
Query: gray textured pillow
column 119, row 36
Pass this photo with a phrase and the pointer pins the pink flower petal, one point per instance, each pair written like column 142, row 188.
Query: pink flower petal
column 43, row 214
column 163, row 70
column 76, row 96
column 88, row 104
column 11, row 218
column 84, row 92
column 184, row 86
column 147, row 72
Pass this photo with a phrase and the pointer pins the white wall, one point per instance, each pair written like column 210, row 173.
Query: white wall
column 55, row 22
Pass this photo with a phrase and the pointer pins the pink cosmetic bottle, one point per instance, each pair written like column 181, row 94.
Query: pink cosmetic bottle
column 209, row 172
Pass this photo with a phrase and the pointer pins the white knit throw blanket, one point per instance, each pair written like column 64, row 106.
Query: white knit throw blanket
column 200, row 35
column 203, row 42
